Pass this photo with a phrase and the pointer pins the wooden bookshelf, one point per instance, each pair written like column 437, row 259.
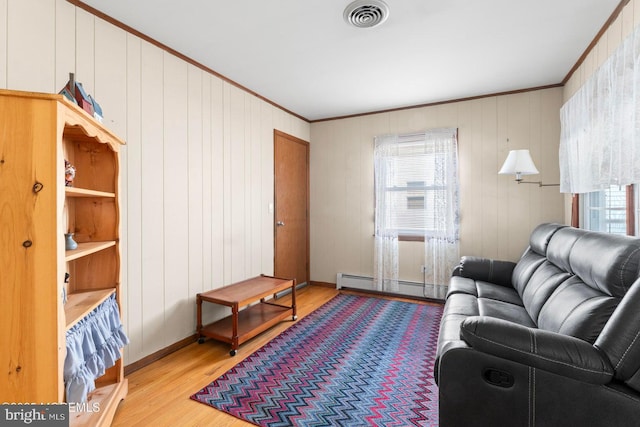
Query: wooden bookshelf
column 41, row 131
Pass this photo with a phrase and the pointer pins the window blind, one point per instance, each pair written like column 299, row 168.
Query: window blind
column 413, row 175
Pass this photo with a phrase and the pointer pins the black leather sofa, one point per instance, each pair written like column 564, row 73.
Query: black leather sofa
column 552, row 340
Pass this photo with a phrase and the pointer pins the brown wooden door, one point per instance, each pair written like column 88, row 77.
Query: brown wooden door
column 291, row 217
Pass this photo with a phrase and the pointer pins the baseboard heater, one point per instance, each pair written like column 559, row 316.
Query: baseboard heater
column 406, row 288
column 288, row 290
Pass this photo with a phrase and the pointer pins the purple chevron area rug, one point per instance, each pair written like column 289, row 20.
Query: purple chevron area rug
column 355, row 361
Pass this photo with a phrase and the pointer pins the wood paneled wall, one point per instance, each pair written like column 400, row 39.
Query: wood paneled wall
column 197, row 171
column 497, row 215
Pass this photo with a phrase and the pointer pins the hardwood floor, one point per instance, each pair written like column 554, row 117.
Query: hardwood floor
column 159, row 393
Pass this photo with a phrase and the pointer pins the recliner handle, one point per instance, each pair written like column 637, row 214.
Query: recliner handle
column 498, row 378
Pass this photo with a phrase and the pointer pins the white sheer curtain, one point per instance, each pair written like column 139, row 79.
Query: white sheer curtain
column 416, row 193
column 442, row 249
column 385, row 261
column 600, row 125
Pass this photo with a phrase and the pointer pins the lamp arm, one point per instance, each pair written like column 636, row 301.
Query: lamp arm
column 540, row 184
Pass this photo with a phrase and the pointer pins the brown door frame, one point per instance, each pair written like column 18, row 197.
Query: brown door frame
column 277, row 133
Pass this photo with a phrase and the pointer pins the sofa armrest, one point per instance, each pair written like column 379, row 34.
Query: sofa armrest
column 485, row 269
column 556, row 353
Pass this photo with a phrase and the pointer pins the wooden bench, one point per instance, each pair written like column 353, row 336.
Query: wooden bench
column 246, row 323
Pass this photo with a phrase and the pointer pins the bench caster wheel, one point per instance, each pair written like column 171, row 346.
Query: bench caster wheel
column 294, row 317
column 200, row 340
column 232, row 353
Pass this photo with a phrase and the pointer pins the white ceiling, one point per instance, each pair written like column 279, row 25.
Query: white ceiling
column 301, row 55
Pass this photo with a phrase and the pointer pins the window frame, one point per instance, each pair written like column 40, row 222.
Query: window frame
column 404, row 237
column 630, row 213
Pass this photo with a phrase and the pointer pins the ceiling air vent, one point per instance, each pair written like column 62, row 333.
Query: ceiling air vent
column 366, row 13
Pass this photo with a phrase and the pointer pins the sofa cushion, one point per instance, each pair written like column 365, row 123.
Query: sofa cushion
column 481, row 289
column 489, row 291
column 541, row 236
column 603, row 267
column 544, row 280
column 561, row 245
column 609, row 263
column 525, row 268
column 534, row 255
column 505, row 311
column 469, row 305
column 462, row 285
column 463, row 305
column 577, row 310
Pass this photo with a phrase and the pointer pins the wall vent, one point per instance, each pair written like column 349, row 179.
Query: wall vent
column 366, row 13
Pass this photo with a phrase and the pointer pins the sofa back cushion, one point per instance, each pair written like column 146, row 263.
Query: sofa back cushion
column 543, row 282
column 600, row 269
column 534, row 255
column 545, row 277
column 571, row 280
column 541, row 236
column 561, row 247
column 607, row 262
column 576, row 309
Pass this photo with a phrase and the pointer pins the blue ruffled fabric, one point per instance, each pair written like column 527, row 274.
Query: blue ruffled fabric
column 93, row 346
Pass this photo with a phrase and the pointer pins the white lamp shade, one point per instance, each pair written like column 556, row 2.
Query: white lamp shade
column 518, row 163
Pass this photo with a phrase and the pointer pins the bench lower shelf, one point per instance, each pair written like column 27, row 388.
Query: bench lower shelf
column 251, row 321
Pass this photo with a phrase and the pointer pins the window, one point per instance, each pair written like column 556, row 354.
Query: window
column 416, row 185
column 610, row 210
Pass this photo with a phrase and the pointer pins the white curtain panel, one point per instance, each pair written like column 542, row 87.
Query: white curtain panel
column 442, row 249
column 600, row 125
column 442, row 255
column 385, row 262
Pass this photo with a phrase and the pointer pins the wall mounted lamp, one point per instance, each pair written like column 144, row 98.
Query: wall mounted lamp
column 519, row 163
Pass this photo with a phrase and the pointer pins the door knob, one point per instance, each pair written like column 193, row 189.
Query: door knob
column 280, row 224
